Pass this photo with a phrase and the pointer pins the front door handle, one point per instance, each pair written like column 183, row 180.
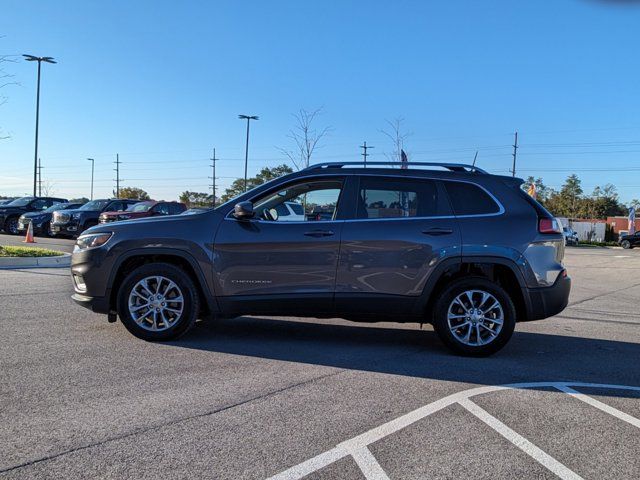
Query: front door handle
column 318, row 233
column 436, row 231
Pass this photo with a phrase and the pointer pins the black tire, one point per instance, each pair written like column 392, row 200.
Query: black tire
column 441, row 310
column 189, row 293
column 11, row 226
column 46, row 229
column 626, row 244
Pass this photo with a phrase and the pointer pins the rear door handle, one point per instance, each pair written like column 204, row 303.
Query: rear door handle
column 436, row 231
column 318, row 233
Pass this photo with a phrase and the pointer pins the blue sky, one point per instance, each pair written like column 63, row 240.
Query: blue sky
column 162, row 83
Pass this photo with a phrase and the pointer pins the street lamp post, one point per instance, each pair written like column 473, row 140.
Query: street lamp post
column 248, row 118
column 31, row 58
column 92, row 165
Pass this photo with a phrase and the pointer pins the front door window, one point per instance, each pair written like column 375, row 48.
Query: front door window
column 304, row 202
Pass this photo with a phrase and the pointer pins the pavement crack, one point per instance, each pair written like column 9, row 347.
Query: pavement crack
column 603, row 295
column 176, row 421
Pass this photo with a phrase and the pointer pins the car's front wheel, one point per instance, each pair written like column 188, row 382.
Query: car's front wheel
column 158, row 301
column 626, row 244
column 474, row 316
column 11, row 226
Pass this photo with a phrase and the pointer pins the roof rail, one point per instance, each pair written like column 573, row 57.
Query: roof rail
column 453, row 167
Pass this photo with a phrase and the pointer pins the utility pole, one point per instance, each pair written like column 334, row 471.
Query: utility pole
column 475, row 157
column 515, row 153
column 248, row 118
column 39, row 177
column 92, row 165
column 117, row 169
column 365, row 147
column 213, row 179
column 32, row 58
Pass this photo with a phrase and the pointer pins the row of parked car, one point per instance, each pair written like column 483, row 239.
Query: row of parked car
column 51, row 216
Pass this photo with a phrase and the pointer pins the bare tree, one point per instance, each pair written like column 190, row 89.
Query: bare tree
column 396, row 133
column 48, row 188
column 5, row 80
column 305, row 137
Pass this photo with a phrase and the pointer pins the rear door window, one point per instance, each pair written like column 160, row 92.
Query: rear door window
column 388, row 197
column 469, row 199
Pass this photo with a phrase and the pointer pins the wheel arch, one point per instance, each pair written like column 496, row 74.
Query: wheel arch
column 503, row 271
column 136, row 258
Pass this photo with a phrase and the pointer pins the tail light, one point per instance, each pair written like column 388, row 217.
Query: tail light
column 549, row 225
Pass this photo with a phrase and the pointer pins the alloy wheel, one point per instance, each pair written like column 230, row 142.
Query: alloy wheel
column 475, row 317
column 156, row 303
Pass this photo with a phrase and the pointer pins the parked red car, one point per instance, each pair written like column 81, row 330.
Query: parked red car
column 149, row 208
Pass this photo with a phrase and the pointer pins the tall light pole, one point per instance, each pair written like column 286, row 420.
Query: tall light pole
column 31, row 58
column 92, row 165
column 248, row 118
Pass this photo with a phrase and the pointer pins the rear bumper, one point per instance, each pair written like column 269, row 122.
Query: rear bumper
column 548, row 301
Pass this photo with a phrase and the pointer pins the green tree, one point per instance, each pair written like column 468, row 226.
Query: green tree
column 79, row 200
column 542, row 191
column 265, row 175
column 196, row 199
column 133, row 193
column 568, row 201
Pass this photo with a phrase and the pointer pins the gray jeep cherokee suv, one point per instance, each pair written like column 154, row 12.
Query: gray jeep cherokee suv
column 446, row 244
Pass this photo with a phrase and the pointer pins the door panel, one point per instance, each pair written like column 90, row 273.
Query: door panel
column 264, row 258
column 403, row 232
column 273, row 255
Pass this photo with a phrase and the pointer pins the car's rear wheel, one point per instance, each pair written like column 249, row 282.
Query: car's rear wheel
column 158, row 301
column 626, row 244
column 474, row 316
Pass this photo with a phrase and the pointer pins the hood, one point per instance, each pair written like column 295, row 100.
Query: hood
column 128, row 214
column 71, row 211
column 35, row 214
column 4, row 210
column 169, row 225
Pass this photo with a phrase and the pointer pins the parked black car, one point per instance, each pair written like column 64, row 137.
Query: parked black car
column 629, row 241
column 10, row 213
column 41, row 221
column 73, row 222
column 4, row 201
column 467, row 251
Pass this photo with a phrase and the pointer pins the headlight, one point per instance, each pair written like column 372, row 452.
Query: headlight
column 92, row 240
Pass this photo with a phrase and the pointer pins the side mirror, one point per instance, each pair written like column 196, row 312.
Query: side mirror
column 243, row 210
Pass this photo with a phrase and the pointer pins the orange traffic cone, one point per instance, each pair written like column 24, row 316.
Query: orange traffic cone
column 29, row 237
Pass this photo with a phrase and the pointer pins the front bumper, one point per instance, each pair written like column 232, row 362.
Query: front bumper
column 95, row 304
column 37, row 228
column 546, row 302
column 71, row 228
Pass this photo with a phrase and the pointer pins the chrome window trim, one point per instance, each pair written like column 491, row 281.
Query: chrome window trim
column 501, row 209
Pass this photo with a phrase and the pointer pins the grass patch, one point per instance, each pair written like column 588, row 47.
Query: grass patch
column 28, row 252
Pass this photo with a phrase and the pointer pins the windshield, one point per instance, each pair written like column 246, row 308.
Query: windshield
column 95, row 205
column 20, row 202
column 53, row 208
column 140, row 207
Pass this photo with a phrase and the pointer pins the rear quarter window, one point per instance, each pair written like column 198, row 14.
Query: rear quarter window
column 470, row 199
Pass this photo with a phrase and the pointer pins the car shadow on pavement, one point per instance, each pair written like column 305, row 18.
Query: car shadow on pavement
column 529, row 357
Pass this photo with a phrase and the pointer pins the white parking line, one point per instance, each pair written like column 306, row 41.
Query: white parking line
column 357, row 446
column 522, row 443
column 625, row 417
column 369, row 465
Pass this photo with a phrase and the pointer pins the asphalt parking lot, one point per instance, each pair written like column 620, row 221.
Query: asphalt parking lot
column 292, row 398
